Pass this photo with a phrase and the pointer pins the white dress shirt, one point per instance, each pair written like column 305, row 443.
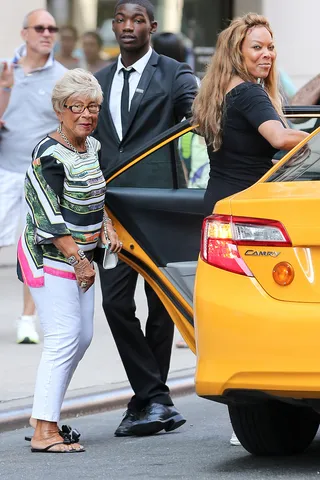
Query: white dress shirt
column 117, row 85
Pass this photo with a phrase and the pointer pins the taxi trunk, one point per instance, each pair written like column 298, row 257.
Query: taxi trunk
column 280, row 230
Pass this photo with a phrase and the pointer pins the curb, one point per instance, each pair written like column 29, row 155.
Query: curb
column 90, row 404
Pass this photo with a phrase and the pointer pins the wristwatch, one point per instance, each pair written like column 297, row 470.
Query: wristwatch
column 72, row 259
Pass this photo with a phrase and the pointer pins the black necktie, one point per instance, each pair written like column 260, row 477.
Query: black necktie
column 125, row 99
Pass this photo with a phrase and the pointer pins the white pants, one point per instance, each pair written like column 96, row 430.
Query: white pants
column 12, row 205
column 66, row 317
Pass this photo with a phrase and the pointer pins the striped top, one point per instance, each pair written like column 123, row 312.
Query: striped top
column 65, row 193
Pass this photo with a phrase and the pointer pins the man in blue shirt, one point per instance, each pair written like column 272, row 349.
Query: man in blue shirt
column 27, row 116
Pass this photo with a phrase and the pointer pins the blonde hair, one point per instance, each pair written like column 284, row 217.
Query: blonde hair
column 76, row 82
column 227, row 62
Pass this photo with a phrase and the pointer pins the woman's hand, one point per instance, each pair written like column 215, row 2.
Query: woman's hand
column 6, row 77
column 83, row 269
column 85, row 274
column 115, row 244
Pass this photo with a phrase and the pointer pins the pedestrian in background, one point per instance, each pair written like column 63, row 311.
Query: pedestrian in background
column 67, row 45
column 25, row 107
column 145, row 94
column 65, row 193
column 169, row 44
column 308, row 94
column 239, row 112
column 92, row 57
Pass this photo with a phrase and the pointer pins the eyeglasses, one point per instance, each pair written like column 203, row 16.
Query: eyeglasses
column 42, row 28
column 79, row 108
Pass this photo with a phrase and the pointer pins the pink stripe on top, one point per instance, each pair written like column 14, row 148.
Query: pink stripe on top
column 59, row 273
column 27, row 273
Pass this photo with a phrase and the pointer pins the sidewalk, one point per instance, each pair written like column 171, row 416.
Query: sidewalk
column 101, row 369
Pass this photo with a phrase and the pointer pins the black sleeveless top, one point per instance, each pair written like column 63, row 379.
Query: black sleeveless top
column 245, row 155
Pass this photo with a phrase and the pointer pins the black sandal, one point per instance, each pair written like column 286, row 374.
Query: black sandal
column 69, row 435
column 47, row 449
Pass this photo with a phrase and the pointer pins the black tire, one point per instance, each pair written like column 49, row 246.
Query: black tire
column 273, row 427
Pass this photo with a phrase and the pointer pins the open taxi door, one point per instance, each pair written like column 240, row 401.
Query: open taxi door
column 157, row 210
column 158, row 219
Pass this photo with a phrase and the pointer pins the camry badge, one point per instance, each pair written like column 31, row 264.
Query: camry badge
column 255, row 253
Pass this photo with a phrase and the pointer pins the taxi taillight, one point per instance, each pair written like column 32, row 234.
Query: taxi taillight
column 221, row 235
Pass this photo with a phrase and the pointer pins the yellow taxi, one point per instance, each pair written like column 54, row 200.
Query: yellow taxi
column 253, row 317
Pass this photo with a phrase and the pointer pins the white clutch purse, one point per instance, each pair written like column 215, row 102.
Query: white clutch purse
column 110, row 259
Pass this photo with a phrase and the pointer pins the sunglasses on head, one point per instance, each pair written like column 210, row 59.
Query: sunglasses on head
column 42, row 28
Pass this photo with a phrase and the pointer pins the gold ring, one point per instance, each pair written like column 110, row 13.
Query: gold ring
column 83, row 284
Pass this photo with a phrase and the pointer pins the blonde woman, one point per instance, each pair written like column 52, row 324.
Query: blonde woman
column 238, row 109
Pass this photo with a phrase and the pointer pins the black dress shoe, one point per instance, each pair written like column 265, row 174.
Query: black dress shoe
column 125, row 427
column 158, row 417
column 176, row 421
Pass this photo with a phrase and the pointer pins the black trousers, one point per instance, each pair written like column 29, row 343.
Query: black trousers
column 146, row 357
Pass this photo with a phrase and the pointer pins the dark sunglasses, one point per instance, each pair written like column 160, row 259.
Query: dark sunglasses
column 42, row 29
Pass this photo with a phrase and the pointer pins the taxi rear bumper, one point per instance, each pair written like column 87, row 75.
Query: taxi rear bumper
column 248, row 341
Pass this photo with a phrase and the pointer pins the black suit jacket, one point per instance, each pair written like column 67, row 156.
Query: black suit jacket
column 163, row 98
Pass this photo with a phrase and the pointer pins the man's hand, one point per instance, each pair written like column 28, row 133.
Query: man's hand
column 6, row 77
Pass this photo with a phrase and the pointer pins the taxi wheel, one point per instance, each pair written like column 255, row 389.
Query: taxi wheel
column 273, row 427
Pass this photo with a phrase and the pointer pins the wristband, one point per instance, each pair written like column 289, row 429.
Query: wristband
column 7, row 89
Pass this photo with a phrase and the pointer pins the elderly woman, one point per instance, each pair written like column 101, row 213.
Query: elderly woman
column 65, row 193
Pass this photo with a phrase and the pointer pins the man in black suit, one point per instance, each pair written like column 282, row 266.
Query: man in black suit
column 144, row 95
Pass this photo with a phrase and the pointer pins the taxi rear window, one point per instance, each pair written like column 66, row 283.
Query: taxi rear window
column 303, row 166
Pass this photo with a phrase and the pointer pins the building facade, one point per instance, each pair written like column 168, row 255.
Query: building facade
column 11, row 19
column 294, row 23
column 296, row 34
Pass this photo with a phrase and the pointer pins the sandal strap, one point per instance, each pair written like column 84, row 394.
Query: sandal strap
column 46, row 449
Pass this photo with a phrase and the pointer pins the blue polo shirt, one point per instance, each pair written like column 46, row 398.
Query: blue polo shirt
column 29, row 116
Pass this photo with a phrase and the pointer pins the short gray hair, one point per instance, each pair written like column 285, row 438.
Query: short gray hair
column 25, row 23
column 76, row 82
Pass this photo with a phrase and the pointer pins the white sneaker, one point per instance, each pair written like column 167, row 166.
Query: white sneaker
column 234, row 440
column 26, row 330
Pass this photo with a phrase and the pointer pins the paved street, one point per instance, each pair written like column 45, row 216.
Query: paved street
column 199, row 450
column 100, row 370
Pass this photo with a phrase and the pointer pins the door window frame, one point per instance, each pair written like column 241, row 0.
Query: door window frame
column 307, row 112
